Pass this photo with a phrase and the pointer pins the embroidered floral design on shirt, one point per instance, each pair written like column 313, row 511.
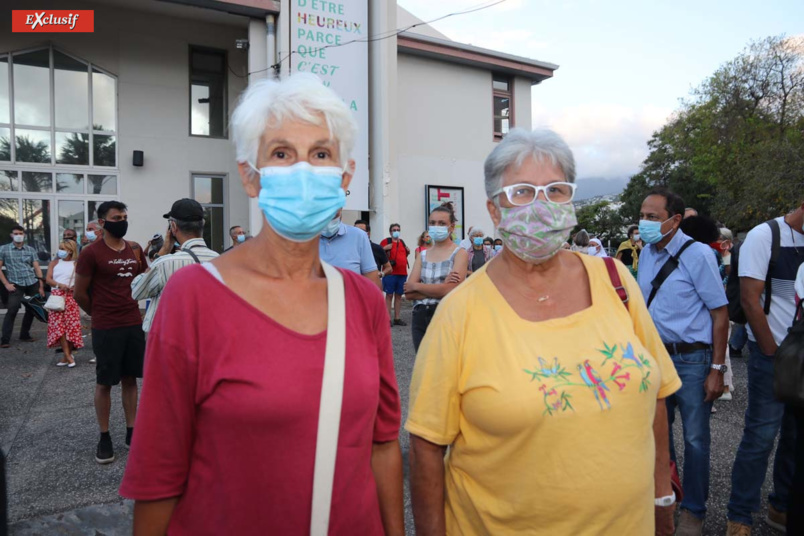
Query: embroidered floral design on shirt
column 598, row 379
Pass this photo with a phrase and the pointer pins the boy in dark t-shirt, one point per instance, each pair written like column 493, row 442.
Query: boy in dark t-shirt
column 104, row 273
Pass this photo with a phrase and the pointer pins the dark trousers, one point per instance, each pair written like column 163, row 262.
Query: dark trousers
column 422, row 315
column 14, row 304
column 795, row 510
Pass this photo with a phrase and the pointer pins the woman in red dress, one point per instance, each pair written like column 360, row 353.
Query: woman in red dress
column 64, row 327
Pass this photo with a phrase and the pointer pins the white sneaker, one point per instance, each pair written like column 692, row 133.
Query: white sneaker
column 92, row 360
column 726, row 396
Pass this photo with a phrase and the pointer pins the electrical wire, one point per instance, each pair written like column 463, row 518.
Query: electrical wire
column 375, row 38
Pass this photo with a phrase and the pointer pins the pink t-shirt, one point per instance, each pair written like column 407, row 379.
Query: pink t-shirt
column 229, row 412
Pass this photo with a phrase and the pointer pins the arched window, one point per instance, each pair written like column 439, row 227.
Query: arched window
column 58, row 142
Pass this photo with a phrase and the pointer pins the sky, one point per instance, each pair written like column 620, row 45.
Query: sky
column 624, row 64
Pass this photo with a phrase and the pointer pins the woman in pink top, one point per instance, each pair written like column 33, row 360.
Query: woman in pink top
column 227, row 423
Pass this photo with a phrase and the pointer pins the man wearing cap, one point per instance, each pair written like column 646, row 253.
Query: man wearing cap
column 185, row 227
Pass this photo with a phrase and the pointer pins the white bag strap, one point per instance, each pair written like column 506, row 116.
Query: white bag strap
column 329, row 413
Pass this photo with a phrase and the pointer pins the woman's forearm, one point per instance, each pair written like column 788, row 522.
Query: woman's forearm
column 435, row 290
column 427, row 486
column 386, row 464
column 661, row 435
column 151, row 518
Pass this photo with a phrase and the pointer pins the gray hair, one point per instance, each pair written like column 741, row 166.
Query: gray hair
column 519, row 144
column 581, row 238
column 301, row 97
column 726, row 233
column 477, row 231
column 191, row 228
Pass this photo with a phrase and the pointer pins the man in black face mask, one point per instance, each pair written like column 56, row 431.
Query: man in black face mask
column 103, row 278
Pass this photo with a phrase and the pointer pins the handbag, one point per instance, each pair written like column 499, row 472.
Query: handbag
column 57, row 303
column 788, row 364
column 329, row 412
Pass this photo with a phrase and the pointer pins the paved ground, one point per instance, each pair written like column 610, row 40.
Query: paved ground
column 48, row 430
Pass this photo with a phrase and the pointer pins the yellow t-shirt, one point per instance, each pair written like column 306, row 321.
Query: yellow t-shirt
column 550, row 424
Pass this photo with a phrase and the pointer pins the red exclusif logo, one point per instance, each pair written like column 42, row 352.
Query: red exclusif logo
column 52, row 21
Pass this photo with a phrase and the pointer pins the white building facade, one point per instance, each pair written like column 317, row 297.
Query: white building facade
column 138, row 111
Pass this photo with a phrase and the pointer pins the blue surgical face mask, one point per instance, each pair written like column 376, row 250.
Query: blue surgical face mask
column 332, row 228
column 62, row 254
column 438, row 233
column 651, row 231
column 91, row 236
column 395, row 234
column 478, row 240
column 176, row 245
column 300, row 200
column 498, row 247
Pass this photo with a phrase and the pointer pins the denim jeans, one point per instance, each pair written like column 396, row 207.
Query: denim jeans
column 692, row 368
column 14, row 304
column 795, row 510
column 739, row 336
column 764, row 418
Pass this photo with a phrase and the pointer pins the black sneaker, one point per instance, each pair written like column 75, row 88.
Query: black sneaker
column 105, row 452
column 734, row 353
column 400, row 322
column 129, row 435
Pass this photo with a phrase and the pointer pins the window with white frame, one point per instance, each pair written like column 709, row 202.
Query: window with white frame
column 58, row 142
column 209, row 190
column 503, row 102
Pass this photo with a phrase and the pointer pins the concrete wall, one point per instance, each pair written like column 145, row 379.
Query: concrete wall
column 149, row 54
column 444, row 134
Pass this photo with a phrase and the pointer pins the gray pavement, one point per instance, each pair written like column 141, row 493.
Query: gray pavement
column 48, row 431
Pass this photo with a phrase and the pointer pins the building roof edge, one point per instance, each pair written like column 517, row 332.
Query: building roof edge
column 453, row 52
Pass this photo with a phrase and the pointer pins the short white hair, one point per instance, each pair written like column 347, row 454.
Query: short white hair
column 542, row 144
column 300, row 97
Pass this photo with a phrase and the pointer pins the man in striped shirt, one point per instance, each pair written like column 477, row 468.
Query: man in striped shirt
column 185, row 226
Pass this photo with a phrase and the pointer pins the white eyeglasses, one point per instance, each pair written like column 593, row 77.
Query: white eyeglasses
column 524, row 194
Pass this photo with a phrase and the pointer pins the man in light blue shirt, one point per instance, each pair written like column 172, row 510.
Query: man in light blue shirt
column 349, row 248
column 689, row 310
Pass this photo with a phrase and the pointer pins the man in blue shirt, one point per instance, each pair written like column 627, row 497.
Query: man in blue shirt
column 349, row 248
column 689, row 310
column 22, row 277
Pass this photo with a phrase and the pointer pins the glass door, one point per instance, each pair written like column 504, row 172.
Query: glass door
column 37, row 218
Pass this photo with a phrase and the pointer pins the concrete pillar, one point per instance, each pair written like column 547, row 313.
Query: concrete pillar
column 383, row 187
column 257, row 61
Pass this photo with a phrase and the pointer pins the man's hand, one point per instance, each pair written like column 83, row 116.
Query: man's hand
column 167, row 244
column 10, row 287
column 713, row 386
column 664, row 520
column 770, row 352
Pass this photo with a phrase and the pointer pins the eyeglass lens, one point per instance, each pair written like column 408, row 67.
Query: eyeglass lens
column 525, row 194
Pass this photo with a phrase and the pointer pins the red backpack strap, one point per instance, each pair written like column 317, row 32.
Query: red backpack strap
column 615, row 280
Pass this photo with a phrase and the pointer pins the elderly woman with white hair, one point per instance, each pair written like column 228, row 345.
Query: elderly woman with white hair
column 270, row 403
column 541, row 377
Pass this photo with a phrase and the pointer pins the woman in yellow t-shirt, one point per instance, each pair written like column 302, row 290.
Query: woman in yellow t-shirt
column 547, row 390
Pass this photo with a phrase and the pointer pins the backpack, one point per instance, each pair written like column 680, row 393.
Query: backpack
column 389, row 240
column 736, row 313
column 788, row 364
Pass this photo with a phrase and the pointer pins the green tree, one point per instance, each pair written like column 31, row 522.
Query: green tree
column 734, row 148
column 603, row 221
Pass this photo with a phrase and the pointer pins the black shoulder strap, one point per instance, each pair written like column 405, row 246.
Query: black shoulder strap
column 668, row 268
column 775, row 241
column 193, row 255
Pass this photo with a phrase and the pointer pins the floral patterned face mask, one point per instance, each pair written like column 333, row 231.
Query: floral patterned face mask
column 535, row 232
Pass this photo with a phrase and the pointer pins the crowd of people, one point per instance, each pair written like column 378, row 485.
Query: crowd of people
column 547, row 378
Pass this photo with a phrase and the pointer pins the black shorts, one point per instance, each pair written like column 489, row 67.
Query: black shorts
column 120, row 352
